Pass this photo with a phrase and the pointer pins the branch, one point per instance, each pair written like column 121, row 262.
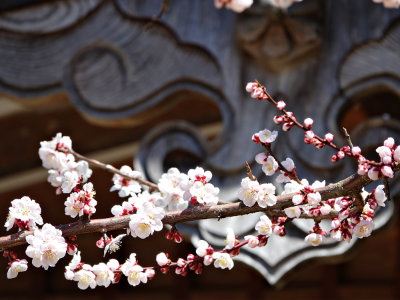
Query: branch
column 351, row 185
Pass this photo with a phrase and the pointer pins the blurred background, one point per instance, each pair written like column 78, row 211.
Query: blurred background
column 134, row 84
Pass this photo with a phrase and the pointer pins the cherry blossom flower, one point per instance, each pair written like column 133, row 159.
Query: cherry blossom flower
column 266, row 195
column 314, row 239
column 293, row 212
column 134, row 273
column 104, row 276
column 249, row 191
column 85, row 277
column 25, row 213
column 380, row 195
column 162, row 259
column 253, row 241
column 202, row 248
column 270, row 166
column 16, row 267
column 235, row 5
column 230, row 240
column 264, row 226
column 126, row 186
column 222, row 260
column 46, row 246
column 363, row 229
column 267, row 136
column 113, row 244
column 314, row 198
column 170, row 186
column 146, row 221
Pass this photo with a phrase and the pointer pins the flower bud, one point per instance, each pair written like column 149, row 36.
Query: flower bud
column 356, row 151
column 308, row 123
column 329, row 137
column 250, row 86
column 280, row 105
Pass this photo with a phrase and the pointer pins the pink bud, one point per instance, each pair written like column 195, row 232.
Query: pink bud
column 335, row 223
column 100, row 243
column 290, row 114
column 280, row 105
column 389, row 142
column 309, row 134
column 257, row 93
column 362, row 170
column 287, row 126
column 250, row 86
column 308, row 123
column 356, row 151
column 340, row 154
column 387, row 160
column 334, row 158
column 278, row 120
column 329, row 137
column 387, row 171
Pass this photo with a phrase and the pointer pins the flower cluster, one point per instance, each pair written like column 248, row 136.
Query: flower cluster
column 235, row 5
column 251, row 191
column 178, row 189
column 24, row 213
column 64, row 172
column 46, row 246
column 81, row 201
column 125, row 186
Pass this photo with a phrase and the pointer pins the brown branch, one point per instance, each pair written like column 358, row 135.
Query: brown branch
column 111, row 169
column 349, row 186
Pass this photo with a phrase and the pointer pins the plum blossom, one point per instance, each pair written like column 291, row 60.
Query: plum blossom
column 134, row 272
column 202, row 248
column 396, row 154
column 170, row 186
column 270, row 166
column 266, row 195
column 126, row 186
column 373, row 173
column 293, row 212
column 249, row 191
column 69, row 181
column 204, row 194
column 46, row 246
column 146, row 221
column 235, row 5
column 380, row 195
column 25, row 213
column 162, row 259
column 85, row 277
column 230, row 239
column 267, row 136
column 363, row 229
column 222, row 260
column 16, row 267
column 264, row 226
column 288, row 164
column 314, row 198
column 104, row 276
column 81, row 202
column 113, row 244
column 253, row 241
column 314, row 239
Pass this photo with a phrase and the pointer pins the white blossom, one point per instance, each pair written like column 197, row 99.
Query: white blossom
column 16, row 267
column 270, row 166
column 380, row 195
column 314, row 239
column 126, row 186
column 134, row 273
column 25, row 210
column 146, row 221
column 222, row 260
column 104, row 276
column 253, row 241
column 162, row 259
column 171, row 188
column 249, row 191
column 202, row 248
column 69, row 181
column 85, row 277
column 46, row 246
column 314, row 198
column 206, row 194
column 113, row 244
column 293, row 212
column 363, row 229
column 235, row 5
column 230, row 239
column 264, row 226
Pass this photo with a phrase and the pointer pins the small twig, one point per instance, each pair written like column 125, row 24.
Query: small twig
column 112, row 169
column 347, row 137
column 249, row 172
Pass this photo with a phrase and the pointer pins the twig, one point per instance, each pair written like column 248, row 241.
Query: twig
column 387, row 190
column 249, row 173
column 347, row 137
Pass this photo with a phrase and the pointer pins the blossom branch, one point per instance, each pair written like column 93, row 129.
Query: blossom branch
column 351, row 185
